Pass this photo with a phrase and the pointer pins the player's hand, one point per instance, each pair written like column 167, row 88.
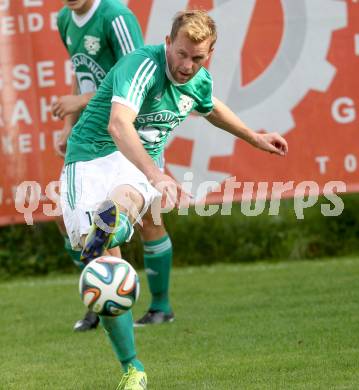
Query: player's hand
column 67, row 104
column 173, row 194
column 61, row 142
column 273, row 143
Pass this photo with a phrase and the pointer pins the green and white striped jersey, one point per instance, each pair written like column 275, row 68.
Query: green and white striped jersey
column 98, row 39
column 141, row 81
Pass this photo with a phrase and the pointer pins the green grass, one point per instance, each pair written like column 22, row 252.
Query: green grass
column 259, row 326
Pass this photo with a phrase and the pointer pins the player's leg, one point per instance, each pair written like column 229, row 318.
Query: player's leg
column 127, row 191
column 74, row 254
column 112, row 226
column 157, row 253
column 90, row 319
column 157, row 248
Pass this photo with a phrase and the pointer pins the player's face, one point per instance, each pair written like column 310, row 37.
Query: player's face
column 79, row 6
column 185, row 58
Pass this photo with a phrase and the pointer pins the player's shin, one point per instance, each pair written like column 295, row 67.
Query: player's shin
column 158, row 263
column 120, row 332
column 123, row 232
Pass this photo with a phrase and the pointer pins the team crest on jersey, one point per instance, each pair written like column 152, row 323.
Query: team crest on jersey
column 185, row 104
column 92, row 44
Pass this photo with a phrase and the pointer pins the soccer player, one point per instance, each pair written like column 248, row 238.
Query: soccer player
column 96, row 34
column 112, row 151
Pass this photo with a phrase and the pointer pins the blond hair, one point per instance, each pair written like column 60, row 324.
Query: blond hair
column 197, row 25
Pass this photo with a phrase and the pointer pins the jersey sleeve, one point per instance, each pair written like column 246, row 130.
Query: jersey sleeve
column 125, row 35
column 133, row 78
column 62, row 22
column 205, row 104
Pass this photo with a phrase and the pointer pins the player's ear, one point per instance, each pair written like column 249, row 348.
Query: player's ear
column 210, row 53
column 168, row 40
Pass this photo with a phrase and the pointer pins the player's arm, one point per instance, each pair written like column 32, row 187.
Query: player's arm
column 128, row 142
column 69, row 121
column 71, row 105
column 223, row 117
column 127, row 101
column 68, row 108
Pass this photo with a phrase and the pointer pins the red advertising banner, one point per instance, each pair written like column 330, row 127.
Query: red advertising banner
column 282, row 65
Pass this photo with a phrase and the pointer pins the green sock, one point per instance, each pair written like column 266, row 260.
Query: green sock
column 123, row 232
column 158, row 263
column 75, row 255
column 120, row 332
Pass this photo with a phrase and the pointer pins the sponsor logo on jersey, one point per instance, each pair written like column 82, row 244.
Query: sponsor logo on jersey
column 68, row 41
column 185, row 104
column 163, row 116
column 150, row 135
column 89, row 70
column 92, row 44
column 86, row 82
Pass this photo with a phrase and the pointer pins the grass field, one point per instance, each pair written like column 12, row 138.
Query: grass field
column 261, row 326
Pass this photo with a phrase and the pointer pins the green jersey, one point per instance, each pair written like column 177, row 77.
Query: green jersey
column 143, row 82
column 98, row 39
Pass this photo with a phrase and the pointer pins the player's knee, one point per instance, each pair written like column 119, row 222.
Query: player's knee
column 128, row 199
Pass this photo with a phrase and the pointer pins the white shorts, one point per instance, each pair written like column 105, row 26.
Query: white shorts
column 85, row 184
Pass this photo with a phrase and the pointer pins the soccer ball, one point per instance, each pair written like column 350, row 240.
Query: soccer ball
column 109, row 286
